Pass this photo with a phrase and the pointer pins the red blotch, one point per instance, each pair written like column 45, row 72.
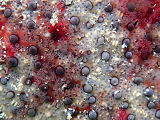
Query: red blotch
column 59, row 32
column 2, row 23
column 121, row 114
column 61, row 7
column 146, row 12
column 10, row 51
column 144, row 49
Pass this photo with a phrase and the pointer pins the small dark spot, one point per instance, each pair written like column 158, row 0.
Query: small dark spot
column 126, row 42
column 131, row 117
column 85, row 71
column 70, row 86
column 145, row 55
column 131, row 7
column 138, row 80
column 105, row 55
column 31, row 24
column 157, row 114
column 23, row 97
column 55, row 35
column 100, row 19
column 128, row 54
column 89, row 52
column 74, row 20
column 32, row 112
column 16, row 111
column 130, row 26
column 48, row 14
column 92, row 115
column 114, row 81
column 125, row 105
column 7, row 12
column 44, row 87
column 12, row 62
column 88, row 5
column 14, row 38
column 48, row 99
column 33, row 50
column 89, row 25
column 100, row 40
column 28, row 81
column 148, row 92
column 117, row 94
column 67, row 101
column 151, row 105
column 37, row 65
column 3, row 80
column 87, row 88
column 108, row 8
column 148, row 36
column 91, row 99
column 32, row 5
column 10, row 94
column 59, row 71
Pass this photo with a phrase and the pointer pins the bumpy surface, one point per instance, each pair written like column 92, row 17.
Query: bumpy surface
column 79, row 59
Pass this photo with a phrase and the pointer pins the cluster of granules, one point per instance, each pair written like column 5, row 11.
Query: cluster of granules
column 79, row 59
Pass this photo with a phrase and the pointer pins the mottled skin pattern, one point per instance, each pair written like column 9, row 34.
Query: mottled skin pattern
column 65, row 59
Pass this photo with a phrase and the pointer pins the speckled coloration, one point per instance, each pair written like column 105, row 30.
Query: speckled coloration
column 79, row 59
